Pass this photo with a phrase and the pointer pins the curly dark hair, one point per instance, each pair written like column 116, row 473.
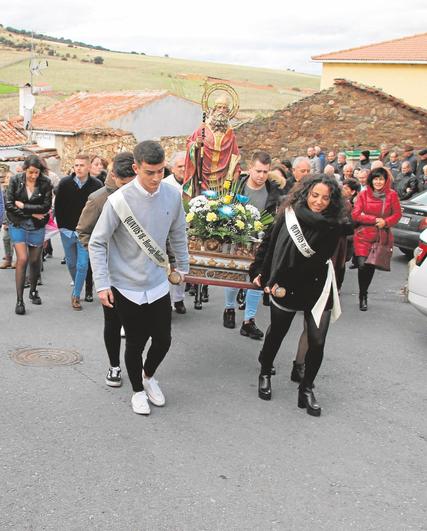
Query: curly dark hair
column 35, row 162
column 378, row 172
column 299, row 194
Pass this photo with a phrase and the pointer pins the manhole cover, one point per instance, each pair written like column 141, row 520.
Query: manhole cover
column 45, row 357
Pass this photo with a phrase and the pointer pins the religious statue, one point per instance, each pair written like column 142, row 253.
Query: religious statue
column 212, row 151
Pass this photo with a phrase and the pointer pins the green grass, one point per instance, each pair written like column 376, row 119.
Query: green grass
column 122, row 71
column 8, row 89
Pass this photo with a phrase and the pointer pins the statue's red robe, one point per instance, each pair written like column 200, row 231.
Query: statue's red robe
column 217, row 151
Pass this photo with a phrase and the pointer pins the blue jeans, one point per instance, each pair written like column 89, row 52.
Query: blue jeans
column 77, row 259
column 253, row 297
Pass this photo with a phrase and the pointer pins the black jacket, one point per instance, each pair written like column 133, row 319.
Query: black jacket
column 278, row 260
column 39, row 203
column 70, row 200
column 274, row 196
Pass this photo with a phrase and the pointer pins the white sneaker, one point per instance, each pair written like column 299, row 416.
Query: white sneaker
column 140, row 403
column 153, row 391
column 122, row 332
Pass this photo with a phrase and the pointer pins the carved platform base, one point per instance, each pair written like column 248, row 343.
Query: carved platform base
column 220, row 269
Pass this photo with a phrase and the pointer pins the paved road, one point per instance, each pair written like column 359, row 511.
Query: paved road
column 74, row 455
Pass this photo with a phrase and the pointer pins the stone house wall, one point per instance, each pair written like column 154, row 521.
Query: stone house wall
column 105, row 143
column 345, row 116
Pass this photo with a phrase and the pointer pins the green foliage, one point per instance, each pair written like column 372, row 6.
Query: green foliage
column 7, row 89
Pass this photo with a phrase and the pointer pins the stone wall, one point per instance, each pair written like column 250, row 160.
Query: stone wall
column 171, row 144
column 345, row 116
column 105, row 143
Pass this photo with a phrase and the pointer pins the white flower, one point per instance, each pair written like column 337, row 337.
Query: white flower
column 254, row 212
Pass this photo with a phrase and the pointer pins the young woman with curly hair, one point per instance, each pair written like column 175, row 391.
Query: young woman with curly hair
column 293, row 265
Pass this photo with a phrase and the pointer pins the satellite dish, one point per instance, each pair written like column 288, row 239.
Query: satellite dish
column 29, row 101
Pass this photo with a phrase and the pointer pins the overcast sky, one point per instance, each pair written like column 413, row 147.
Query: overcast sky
column 267, row 33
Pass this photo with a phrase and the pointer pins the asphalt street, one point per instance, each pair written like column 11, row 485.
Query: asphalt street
column 74, row 455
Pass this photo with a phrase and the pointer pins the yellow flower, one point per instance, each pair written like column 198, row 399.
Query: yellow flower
column 211, row 216
column 240, row 208
column 258, row 226
column 227, row 185
column 227, row 199
column 189, row 217
column 239, row 224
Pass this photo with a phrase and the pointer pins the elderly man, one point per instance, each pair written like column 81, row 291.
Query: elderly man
column 409, row 156
column 384, row 156
column 407, row 183
column 394, row 164
column 348, row 171
column 314, row 161
column 422, row 154
column 176, row 179
column 362, row 177
column 331, row 158
column 300, row 168
column 212, row 152
column 341, row 162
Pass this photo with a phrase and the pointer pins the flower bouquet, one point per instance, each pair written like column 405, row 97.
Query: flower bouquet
column 224, row 232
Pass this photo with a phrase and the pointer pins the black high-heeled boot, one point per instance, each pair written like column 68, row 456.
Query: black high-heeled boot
column 363, row 302
column 264, row 386
column 20, row 307
column 297, row 373
column 307, row 400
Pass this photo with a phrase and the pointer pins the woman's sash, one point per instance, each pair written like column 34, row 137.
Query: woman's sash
column 304, row 248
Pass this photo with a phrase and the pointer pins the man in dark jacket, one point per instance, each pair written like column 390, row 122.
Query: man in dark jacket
column 422, row 161
column 264, row 195
column 71, row 196
column 394, row 164
column 408, row 155
column 406, row 183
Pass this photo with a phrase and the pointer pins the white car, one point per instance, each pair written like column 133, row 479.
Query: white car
column 417, row 282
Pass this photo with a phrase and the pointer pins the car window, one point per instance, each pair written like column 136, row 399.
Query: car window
column 421, row 198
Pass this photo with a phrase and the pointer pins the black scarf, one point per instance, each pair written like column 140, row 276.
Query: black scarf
column 321, row 233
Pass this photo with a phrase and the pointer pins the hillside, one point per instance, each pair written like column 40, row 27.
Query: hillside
column 71, row 69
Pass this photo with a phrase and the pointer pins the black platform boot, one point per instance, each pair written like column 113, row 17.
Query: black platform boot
column 363, row 302
column 20, row 307
column 307, row 400
column 264, row 386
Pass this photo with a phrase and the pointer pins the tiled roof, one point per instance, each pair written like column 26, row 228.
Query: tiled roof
column 397, row 102
column 412, row 49
column 10, row 135
column 91, row 110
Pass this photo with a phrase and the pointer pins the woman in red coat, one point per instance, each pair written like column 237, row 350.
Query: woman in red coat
column 377, row 209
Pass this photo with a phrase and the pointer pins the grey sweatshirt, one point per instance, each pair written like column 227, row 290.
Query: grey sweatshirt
column 117, row 260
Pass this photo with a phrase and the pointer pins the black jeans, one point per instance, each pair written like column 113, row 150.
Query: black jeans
column 112, row 339
column 140, row 323
column 279, row 327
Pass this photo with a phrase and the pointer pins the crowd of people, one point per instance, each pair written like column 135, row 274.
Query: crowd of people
column 123, row 231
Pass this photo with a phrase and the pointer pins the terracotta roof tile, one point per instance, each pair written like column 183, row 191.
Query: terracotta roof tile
column 10, row 135
column 410, row 49
column 91, row 110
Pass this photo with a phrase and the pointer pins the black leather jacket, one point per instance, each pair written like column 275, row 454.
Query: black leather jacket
column 39, row 203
